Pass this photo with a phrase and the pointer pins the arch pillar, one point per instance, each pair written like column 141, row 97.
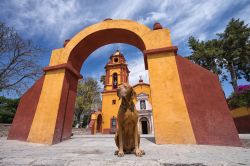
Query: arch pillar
column 55, row 106
column 171, row 120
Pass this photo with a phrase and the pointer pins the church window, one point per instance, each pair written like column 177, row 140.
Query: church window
column 113, row 122
column 113, row 102
column 115, row 81
column 115, row 60
column 142, row 104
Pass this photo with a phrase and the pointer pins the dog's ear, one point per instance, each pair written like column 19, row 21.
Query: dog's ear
column 118, row 91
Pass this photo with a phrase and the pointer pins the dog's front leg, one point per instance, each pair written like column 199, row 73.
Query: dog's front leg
column 120, row 150
column 137, row 150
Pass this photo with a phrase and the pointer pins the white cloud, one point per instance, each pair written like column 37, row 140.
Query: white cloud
column 137, row 69
column 106, row 49
column 61, row 19
column 126, row 9
column 197, row 19
column 54, row 19
column 187, row 17
column 153, row 17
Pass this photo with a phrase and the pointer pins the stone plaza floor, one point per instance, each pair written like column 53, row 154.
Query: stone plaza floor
column 99, row 150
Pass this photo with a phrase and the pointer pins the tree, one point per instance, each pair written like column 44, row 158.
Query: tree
column 241, row 98
column 235, row 47
column 206, row 54
column 102, row 79
column 8, row 109
column 88, row 97
column 18, row 65
column 230, row 53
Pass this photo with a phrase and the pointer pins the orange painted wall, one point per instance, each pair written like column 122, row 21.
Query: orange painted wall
column 142, row 88
column 171, row 120
column 108, row 109
column 44, row 122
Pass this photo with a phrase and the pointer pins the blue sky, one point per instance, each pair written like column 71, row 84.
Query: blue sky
column 49, row 22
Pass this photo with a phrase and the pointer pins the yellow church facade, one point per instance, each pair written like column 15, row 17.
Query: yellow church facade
column 117, row 73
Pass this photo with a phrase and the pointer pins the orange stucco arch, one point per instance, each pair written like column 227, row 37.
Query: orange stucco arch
column 107, row 32
column 45, row 112
column 66, row 63
column 93, row 124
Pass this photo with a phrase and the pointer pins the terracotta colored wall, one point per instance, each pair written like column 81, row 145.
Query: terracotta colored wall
column 243, row 124
column 66, row 108
column 207, row 107
column 67, row 129
column 106, row 131
column 44, row 123
column 241, row 118
column 25, row 112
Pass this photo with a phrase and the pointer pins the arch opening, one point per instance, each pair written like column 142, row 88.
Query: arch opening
column 145, row 128
column 102, row 56
column 115, row 81
column 99, row 123
column 100, row 38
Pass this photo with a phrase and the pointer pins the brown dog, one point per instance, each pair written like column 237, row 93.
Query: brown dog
column 127, row 138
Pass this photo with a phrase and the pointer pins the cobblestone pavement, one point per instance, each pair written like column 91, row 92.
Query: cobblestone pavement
column 99, row 150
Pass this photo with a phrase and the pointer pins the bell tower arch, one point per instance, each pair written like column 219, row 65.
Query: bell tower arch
column 117, row 71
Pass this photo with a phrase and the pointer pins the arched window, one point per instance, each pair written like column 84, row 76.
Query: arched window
column 115, row 81
column 142, row 104
column 99, row 123
column 115, row 60
column 113, row 124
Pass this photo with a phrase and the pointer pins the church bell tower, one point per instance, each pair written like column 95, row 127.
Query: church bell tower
column 116, row 73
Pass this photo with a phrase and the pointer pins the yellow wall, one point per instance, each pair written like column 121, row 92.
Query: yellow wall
column 112, row 71
column 143, row 89
column 108, row 109
column 43, row 125
column 240, row 112
column 94, row 117
column 171, row 120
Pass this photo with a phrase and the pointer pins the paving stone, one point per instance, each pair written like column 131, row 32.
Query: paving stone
column 99, row 150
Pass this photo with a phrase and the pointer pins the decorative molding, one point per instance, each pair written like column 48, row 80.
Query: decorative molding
column 65, row 66
column 109, row 91
column 157, row 25
column 140, row 84
column 66, row 42
column 156, row 51
column 107, row 19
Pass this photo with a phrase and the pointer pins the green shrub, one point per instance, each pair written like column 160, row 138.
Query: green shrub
column 241, row 99
column 8, row 109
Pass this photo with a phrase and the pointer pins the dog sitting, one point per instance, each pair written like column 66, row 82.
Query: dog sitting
column 127, row 137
